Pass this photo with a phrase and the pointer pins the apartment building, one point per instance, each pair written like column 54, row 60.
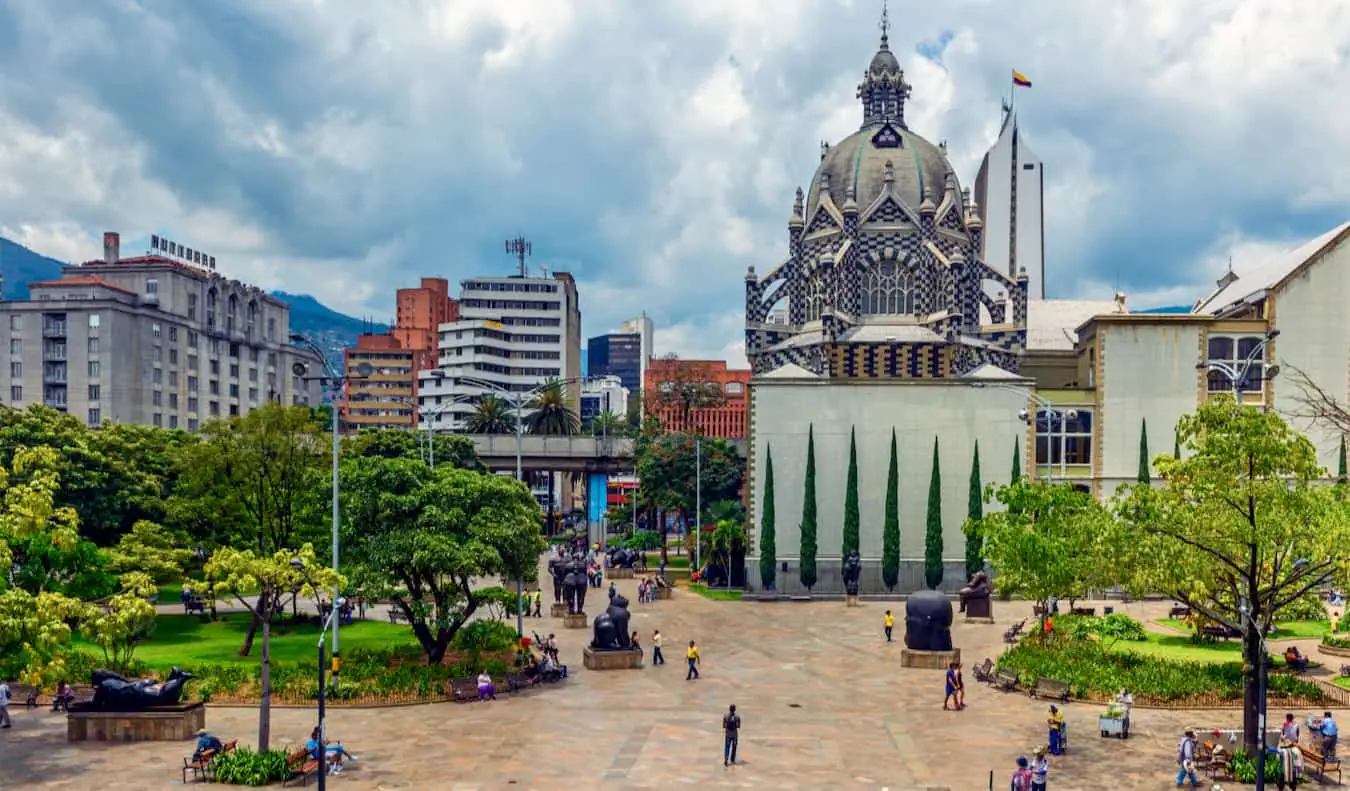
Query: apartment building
column 380, row 383
column 150, row 340
column 513, row 334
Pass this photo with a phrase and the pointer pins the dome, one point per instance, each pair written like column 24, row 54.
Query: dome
column 884, row 62
column 858, row 163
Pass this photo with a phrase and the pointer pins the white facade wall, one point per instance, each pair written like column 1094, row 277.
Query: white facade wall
column 1314, row 325
column 1030, row 239
column 1148, row 372
column 995, row 197
column 783, row 410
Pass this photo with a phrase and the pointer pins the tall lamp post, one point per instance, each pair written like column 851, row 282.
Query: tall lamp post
column 435, row 411
column 519, row 402
column 1053, row 416
column 1245, row 614
column 1239, row 373
column 698, row 503
column 336, row 383
column 331, row 620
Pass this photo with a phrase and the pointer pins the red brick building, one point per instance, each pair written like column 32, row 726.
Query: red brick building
column 668, row 379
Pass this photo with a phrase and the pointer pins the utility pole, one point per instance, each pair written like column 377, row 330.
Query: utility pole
column 521, row 248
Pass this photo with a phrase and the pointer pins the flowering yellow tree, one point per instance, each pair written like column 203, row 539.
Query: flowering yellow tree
column 151, row 549
column 33, row 627
column 123, row 620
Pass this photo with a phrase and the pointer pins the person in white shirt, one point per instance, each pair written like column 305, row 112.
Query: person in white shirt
column 486, row 689
column 4, row 705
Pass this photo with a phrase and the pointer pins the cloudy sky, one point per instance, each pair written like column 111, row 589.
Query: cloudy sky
column 346, row 147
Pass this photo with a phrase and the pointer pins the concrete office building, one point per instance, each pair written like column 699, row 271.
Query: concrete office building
column 602, row 395
column 156, row 340
column 514, row 333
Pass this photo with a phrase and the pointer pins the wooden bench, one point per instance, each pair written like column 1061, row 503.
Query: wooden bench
column 1219, row 632
column 1315, row 761
column 984, row 672
column 1011, row 636
column 194, row 605
column 1005, row 680
column 1179, row 611
column 1087, row 611
column 26, row 693
column 515, row 682
column 1050, row 689
column 396, row 615
column 201, row 767
column 300, row 765
column 464, row 690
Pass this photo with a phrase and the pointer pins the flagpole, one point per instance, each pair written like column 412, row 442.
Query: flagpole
column 1012, row 93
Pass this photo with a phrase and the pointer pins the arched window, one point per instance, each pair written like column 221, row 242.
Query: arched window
column 888, row 290
column 231, row 317
column 815, row 297
column 252, row 316
column 211, row 308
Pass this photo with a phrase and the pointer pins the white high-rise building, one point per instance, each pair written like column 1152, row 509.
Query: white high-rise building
column 514, row 334
column 1010, row 195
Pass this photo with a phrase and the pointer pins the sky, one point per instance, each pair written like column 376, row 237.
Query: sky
column 345, row 148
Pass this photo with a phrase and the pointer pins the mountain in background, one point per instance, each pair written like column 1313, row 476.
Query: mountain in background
column 330, row 330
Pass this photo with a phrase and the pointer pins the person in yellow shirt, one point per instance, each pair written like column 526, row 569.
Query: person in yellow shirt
column 1055, row 721
column 538, row 605
column 1335, row 622
column 694, row 661
column 890, row 625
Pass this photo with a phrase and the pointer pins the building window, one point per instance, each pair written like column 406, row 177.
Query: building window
column 192, row 384
column 888, row 290
column 157, row 420
column 16, row 370
column 192, row 339
column 234, row 370
column 16, row 346
column 192, row 424
column 157, row 376
column 231, row 313
column 192, row 404
column 234, row 391
column 173, row 357
column 156, row 398
column 1231, row 353
column 173, row 400
column 213, row 387
column 151, row 285
column 253, row 395
column 173, row 334
column 253, row 374
column 192, row 307
column 93, row 321
column 215, row 367
column 94, row 368
column 93, row 345
column 95, row 417
column 215, row 408
column 95, row 391
column 157, row 353
column 1064, row 436
column 815, row 297
column 735, row 388
column 15, row 322
column 271, row 329
column 15, row 393
column 173, row 421
column 211, row 308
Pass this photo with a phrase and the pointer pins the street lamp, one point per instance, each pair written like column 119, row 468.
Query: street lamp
column 434, row 411
column 1052, row 415
column 1237, row 373
column 337, row 383
column 331, row 620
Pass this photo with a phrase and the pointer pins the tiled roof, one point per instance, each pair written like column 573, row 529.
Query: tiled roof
column 1052, row 324
column 1269, row 274
column 80, row 280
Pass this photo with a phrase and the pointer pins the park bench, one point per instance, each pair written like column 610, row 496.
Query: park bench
column 201, row 767
column 194, row 604
column 984, row 672
column 1179, row 611
column 1315, row 761
column 515, row 682
column 396, row 615
column 1345, row 671
column 300, row 765
column 1005, row 680
column 26, row 693
column 1038, row 610
column 1050, row 689
column 1015, row 632
column 1219, row 631
column 1088, row 611
column 464, row 690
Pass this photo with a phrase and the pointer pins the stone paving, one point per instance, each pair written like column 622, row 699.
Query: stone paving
column 824, row 701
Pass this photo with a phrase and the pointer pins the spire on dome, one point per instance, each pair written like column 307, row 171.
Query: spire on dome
column 885, row 25
column 883, row 90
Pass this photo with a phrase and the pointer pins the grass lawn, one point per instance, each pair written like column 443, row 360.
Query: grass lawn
column 673, row 561
column 186, row 640
column 1180, row 648
column 1289, row 630
column 716, row 594
column 1342, row 682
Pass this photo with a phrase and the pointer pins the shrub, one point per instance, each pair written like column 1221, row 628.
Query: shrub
column 1108, row 628
column 485, row 637
column 244, row 767
column 1243, row 767
column 1336, row 642
column 641, row 539
column 1308, row 607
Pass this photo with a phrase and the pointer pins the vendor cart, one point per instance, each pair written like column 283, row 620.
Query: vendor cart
column 1115, row 721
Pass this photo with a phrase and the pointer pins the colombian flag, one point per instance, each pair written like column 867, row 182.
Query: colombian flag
column 1021, row 79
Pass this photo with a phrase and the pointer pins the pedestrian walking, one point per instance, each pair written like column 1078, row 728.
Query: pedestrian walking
column 613, row 590
column 4, row 705
column 953, row 687
column 731, row 727
column 889, row 622
column 1055, row 722
column 1186, row 760
column 538, row 605
column 694, row 661
column 1040, row 770
column 1329, row 734
column 657, row 658
column 1289, row 730
column 1021, row 776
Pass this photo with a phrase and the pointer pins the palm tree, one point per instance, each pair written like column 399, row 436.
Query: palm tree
column 491, row 415
column 549, row 412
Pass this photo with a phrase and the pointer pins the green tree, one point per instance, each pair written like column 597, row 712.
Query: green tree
column 1050, row 540
column 1176, row 443
column 768, row 528
column 151, row 550
column 550, row 413
column 121, row 623
column 974, row 513
column 393, row 443
column 851, row 516
column 808, row 528
column 1242, row 520
column 1143, row 476
column 667, row 471
column 932, row 540
column 259, row 581
column 1341, row 476
column 491, row 415
column 422, row 538
column 1017, row 462
column 890, row 531
column 257, row 482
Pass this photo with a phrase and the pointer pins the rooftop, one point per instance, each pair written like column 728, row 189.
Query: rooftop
column 80, row 280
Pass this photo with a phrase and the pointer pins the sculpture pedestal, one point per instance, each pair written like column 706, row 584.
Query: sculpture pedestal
column 559, row 609
column 574, row 620
column 160, row 724
column 610, row 660
column 663, row 593
column 929, row 660
column 619, row 573
column 852, row 601
column 980, row 620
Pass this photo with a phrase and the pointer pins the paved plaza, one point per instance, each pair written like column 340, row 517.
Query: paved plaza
column 824, row 701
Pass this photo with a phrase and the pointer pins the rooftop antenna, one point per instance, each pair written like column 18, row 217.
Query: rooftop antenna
column 520, row 248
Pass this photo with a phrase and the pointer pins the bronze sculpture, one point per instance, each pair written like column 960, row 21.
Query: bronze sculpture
column 611, row 627
column 115, row 693
column 852, row 572
column 623, row 558
column 928, row 622
column 976, row 601
column 574, row 585
column 557, row 569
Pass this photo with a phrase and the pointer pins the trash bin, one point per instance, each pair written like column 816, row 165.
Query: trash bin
column 1108, row 610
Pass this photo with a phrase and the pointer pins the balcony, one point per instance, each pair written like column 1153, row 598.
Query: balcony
column 54, row 354
column 54, row 376
column 54, row 329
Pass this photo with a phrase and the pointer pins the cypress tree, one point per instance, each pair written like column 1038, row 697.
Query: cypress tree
column 1341, row 476
column 1176, row 444
column 808, row 529
column 975, row 512
column 1144, row 476
column 932, row 544
column 890, row 532
column 1017, row 461
column 851, row 498
column 768, row 550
